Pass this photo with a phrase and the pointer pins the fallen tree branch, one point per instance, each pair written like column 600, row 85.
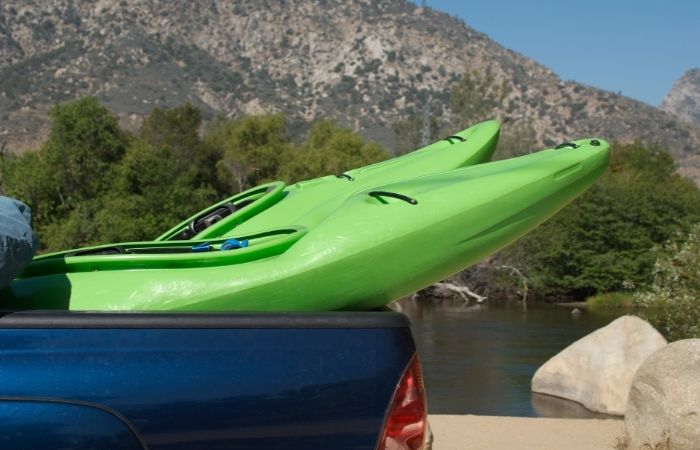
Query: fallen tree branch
column 462, row 291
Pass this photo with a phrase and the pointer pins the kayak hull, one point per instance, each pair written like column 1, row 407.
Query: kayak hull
column 378, row 245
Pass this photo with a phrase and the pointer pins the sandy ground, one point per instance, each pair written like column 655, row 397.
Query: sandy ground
column 522, row 433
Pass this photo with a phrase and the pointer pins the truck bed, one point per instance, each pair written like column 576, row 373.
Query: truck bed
column 199, row 381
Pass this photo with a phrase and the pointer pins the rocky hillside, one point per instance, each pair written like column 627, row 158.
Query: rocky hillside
column 367, row 64
column 683, row 101
column 684, row 98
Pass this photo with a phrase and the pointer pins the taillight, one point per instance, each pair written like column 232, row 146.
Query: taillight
column 405, row 424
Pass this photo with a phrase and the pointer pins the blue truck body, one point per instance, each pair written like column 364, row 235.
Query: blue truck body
column 132, row 381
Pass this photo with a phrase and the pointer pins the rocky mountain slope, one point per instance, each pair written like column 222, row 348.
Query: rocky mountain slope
column 366, row 64
column 683, row 101
column 684, row 98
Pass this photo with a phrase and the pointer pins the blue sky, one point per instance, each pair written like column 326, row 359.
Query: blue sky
column 636, row 47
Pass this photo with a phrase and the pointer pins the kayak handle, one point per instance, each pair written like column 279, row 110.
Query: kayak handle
column 406, row 198
column 449, row 139
column 566, row 145
column 345, row 175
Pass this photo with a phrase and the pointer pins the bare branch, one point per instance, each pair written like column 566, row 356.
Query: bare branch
column 238, row 171
column 523, row 279
column 462, row 291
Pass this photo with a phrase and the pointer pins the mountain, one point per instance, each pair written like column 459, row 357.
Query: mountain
column 369, row 65
column 684, row 98
column 683, row 101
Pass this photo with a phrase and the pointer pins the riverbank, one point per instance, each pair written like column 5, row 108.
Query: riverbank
column 518, row 433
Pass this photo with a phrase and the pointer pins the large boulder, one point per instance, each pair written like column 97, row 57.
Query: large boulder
column 597, row 370
column 664, row 401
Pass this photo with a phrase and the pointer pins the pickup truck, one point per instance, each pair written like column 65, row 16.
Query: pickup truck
column 135, row 381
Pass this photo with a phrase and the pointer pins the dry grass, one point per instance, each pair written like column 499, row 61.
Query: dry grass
column 664, row 444
column 622, row 443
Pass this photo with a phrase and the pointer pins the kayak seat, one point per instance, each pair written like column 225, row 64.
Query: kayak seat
column 225, row 215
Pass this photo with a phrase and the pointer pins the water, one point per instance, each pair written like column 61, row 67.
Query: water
column 480, row 360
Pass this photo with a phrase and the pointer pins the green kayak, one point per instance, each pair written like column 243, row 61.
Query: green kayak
column 379, row 244
column 307, row 202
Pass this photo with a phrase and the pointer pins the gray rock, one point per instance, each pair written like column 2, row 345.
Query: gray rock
column 684, row 98
column 665, row 398
column 597, row 370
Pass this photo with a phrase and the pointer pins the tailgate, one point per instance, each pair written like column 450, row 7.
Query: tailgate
column 210, row 381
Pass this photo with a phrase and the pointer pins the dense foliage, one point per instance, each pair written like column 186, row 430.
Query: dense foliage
column 671, row 303
column 92, row 182
column 606, row 239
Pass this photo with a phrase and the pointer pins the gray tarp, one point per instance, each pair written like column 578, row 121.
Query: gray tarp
column 17, row 240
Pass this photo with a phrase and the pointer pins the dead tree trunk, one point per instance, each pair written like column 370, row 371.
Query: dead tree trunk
column 523, row 279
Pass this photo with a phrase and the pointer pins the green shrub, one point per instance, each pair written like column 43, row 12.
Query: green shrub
column 611, row 300
column 606, row 240
column 672, row 303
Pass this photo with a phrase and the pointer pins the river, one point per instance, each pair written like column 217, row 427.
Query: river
column 480, row 360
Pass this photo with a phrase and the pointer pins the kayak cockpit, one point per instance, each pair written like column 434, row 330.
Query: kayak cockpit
column 222, row 217
column 167, row 254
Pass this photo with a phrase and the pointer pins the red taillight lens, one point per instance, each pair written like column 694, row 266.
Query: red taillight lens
column 404, row 428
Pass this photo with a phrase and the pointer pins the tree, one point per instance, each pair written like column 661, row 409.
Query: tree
column 251, row 149
column 64, row 180
column 85, row 139
column 671, row 302
column 176, row 131
column 147, row 197
column 329, row 149
column 605, row 240
column 477, row 97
